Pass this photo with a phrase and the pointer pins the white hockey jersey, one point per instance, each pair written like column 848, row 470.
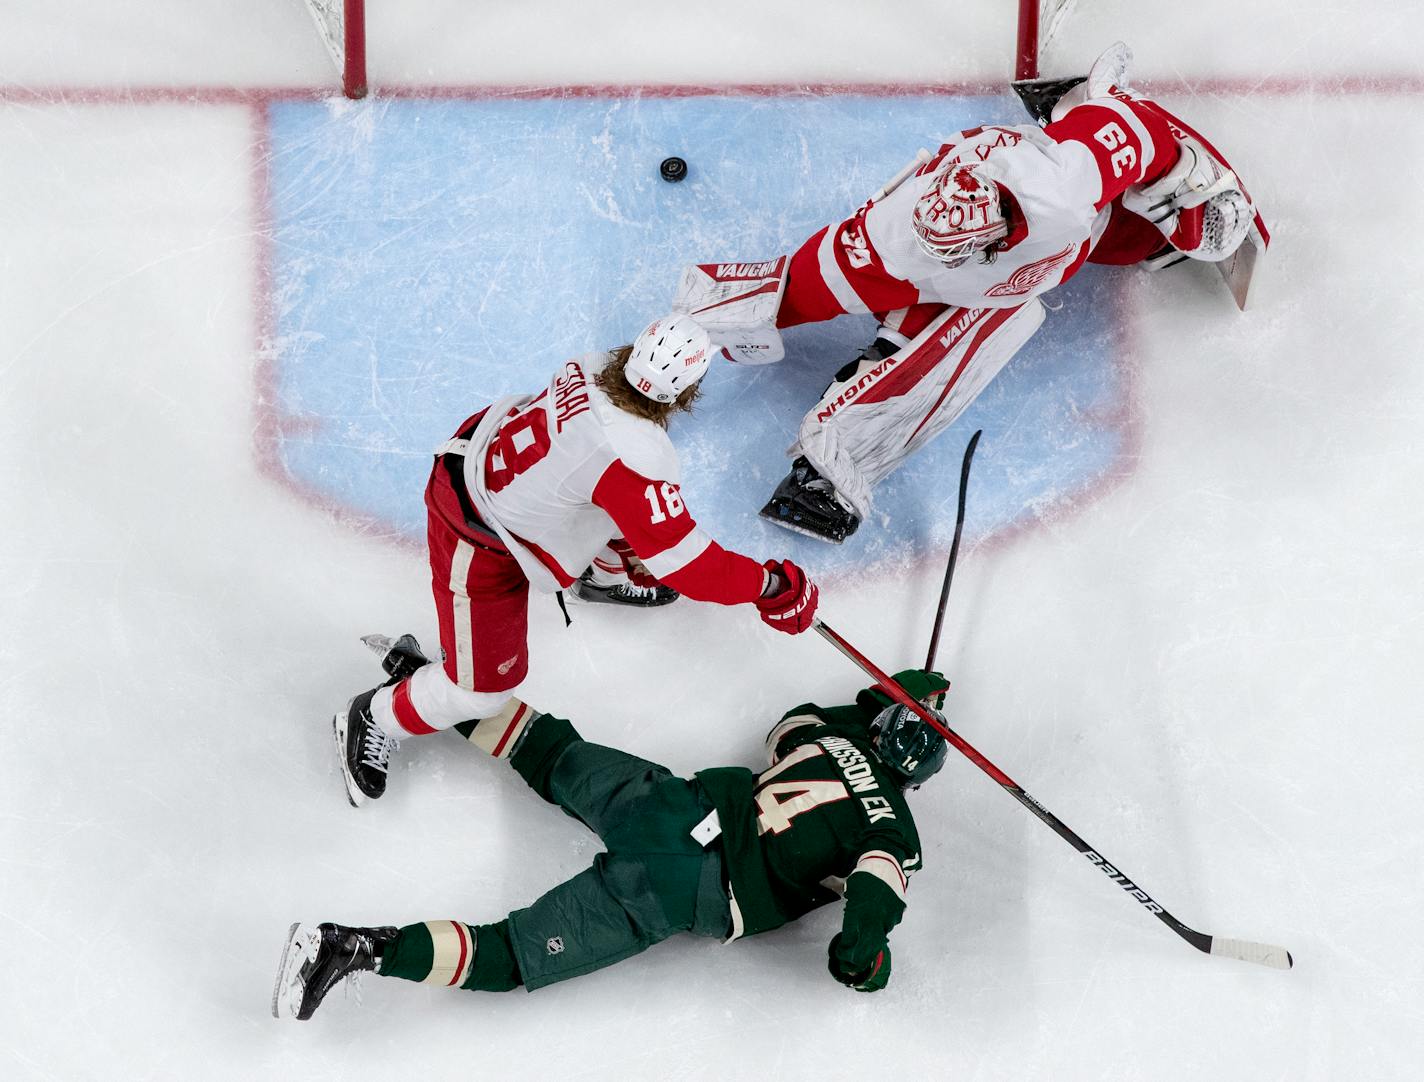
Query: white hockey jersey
column 559, row 474
column 1058, row 182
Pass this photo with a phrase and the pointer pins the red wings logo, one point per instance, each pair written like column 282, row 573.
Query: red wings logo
column 1030, row 276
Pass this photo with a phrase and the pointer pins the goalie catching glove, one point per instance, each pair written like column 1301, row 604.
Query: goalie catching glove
column 788, row 602
column 1198, row 205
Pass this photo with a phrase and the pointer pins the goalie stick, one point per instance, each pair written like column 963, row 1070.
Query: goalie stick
column 953, row 549
column 1240, row 949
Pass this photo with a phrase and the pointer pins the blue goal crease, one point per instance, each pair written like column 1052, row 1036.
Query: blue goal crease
column 432, row 255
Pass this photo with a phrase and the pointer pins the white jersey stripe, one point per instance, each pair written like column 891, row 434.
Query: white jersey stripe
column 781, row 728
column 834, row 277
column 885, row 868
column 464, row 633
column 678, row 556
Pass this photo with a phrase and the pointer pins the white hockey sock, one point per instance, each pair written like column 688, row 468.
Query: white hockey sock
column 430, row 702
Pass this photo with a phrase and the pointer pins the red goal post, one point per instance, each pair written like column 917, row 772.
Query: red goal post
column 342, row 25
column 1039, row 21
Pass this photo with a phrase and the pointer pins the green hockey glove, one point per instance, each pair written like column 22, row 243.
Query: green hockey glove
column 926, row 686
column 869, row 978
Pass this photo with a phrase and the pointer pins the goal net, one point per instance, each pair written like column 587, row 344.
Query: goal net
column 342, row 25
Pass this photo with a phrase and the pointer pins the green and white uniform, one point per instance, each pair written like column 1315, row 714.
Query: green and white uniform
column 825, row 819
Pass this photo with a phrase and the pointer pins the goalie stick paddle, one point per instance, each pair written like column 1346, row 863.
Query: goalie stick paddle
column 1240, row 949
column 953, row 549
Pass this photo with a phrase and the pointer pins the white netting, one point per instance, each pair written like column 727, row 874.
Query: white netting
column 330, row 18
column 1051, row 14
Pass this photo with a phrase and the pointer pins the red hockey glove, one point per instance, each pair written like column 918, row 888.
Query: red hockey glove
column 633, row 567
column 869, row 978
column 792, row 604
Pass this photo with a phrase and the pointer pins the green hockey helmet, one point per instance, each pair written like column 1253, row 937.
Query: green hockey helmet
column 908, row 745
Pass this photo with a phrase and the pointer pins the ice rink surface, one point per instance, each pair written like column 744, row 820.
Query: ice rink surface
column 234, row 316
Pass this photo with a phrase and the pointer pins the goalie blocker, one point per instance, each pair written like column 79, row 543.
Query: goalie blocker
column 737, row 303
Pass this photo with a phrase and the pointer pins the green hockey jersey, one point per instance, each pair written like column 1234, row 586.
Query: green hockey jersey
column 825, row 820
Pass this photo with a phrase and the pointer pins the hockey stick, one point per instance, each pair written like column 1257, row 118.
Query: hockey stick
column 953, row 549
column 1243, row 950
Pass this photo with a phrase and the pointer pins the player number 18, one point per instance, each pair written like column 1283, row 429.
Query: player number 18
column 671, row 499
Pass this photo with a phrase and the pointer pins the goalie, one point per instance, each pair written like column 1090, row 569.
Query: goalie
column 951, row 257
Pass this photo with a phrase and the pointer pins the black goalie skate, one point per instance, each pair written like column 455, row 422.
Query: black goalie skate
column 319, row 956
column 364, row 749
column 807, row 503
column 625, row 593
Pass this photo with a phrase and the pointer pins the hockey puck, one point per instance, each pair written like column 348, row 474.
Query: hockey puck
column 673, row 170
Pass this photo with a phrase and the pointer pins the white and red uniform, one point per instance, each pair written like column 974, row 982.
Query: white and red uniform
column 1059, row 182
column 958, row 326
column 545, row 482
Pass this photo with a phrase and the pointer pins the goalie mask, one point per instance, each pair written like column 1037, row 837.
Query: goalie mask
column 911, row 749
column 959, row 214
column 668, row 358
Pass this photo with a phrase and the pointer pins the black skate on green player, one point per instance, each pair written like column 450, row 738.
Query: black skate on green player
column 727, row 853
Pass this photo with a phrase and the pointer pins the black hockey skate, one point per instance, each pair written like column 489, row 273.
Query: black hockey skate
column 319, row 956
column 1039, row 96
column 807, row 503
column 625, row 593
column 399, row 658
column 364, row 749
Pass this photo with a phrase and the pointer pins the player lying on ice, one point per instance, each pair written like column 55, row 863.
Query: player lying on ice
column 950, row 257
column 530, row 491
column 727, row 853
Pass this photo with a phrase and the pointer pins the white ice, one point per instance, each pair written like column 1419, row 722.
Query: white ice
column 1212, row 672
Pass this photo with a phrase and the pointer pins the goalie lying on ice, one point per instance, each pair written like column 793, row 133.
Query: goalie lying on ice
column 727, row 853
column 951, row 256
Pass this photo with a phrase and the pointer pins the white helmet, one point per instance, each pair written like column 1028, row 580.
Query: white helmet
column 669, row 357
column 959, row 214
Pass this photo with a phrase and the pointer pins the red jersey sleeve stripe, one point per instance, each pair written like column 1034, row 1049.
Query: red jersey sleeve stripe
column 653, row 520
column 649, row 514
column 1129, row 144
column 726, row 578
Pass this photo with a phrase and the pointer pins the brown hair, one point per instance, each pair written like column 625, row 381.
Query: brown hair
column 630, row 400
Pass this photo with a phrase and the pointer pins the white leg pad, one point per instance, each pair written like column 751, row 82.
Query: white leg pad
column 865, row 426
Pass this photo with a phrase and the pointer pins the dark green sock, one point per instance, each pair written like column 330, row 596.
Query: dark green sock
column 495, row 968
column 410, row 955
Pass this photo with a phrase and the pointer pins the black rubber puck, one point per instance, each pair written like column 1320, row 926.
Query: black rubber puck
column 673, row 170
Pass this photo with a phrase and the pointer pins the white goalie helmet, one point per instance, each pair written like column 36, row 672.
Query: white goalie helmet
column 670, row 356
column 959, row 214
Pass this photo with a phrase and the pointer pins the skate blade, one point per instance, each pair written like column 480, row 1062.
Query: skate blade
column 299, row 950
column 787, row 524
column 380, row 645
column 338, row 730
